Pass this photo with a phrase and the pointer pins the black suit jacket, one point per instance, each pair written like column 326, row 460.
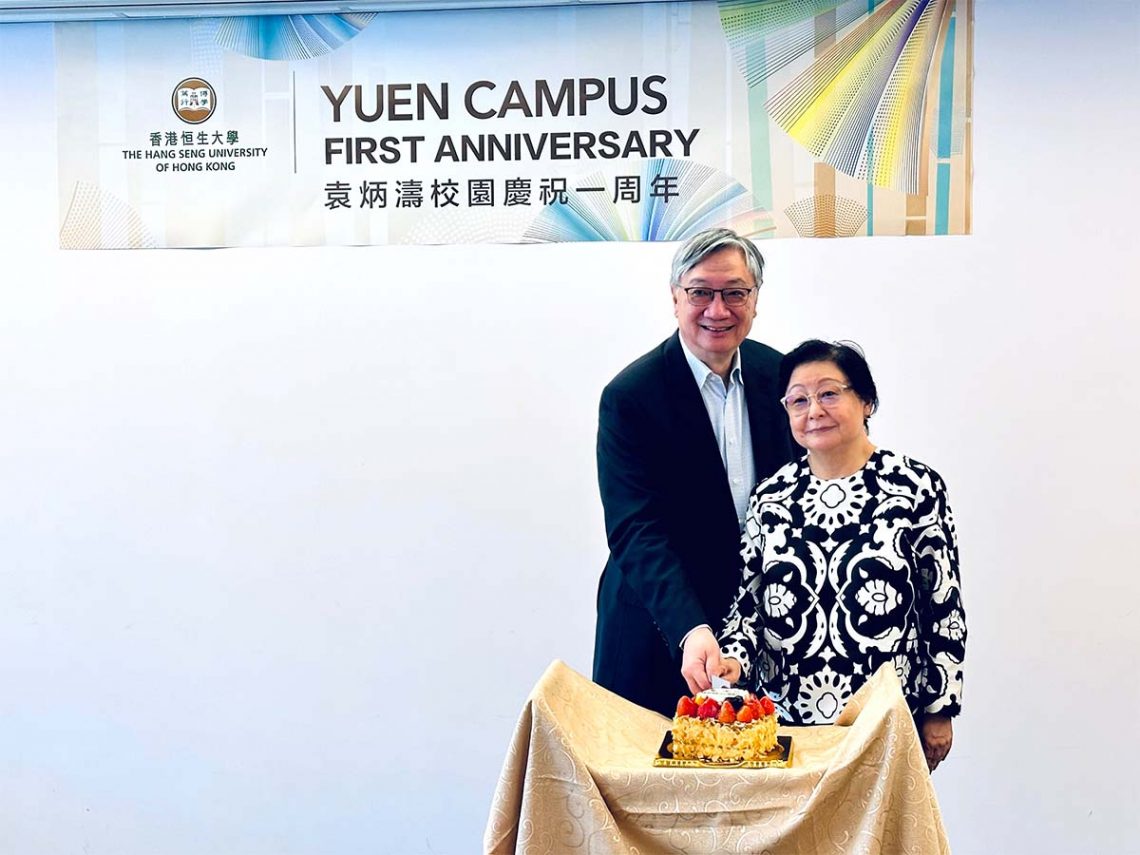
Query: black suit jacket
column 670, row 520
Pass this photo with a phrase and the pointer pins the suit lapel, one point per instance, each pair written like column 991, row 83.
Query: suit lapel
column 695, row 437
column 766, row 418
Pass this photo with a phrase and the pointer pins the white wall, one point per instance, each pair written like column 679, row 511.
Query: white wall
column 270, row 518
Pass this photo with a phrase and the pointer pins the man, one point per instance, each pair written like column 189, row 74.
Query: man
column 684, row 433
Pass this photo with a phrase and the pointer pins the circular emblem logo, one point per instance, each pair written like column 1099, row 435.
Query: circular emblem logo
column 193, row 100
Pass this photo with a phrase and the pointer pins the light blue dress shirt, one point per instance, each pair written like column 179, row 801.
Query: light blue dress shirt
column 728, row 413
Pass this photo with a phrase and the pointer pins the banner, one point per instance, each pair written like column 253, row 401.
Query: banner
column 628, row 122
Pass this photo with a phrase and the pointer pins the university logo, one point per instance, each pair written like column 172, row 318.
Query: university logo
column 193, row 100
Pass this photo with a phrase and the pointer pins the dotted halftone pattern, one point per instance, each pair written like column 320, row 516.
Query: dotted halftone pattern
column 206, row 54
column 788, row 30
column 98, row 220
column 960, row 85
column 827, row 216
column 290, row 37
column 705, row 197
column 467, row 225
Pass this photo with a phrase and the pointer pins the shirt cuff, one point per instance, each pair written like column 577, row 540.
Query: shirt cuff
column 691, row 631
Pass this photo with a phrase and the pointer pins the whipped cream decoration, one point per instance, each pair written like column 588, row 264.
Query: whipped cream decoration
column 722, row 695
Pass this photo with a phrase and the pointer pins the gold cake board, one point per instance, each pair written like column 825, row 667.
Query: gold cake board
column 779, row 757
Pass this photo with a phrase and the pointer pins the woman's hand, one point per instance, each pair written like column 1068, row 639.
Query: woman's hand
column 937, row 737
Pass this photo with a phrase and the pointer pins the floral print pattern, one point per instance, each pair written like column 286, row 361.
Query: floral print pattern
column 843, row 575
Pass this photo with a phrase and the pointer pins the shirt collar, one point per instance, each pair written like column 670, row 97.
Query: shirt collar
column 701, row 371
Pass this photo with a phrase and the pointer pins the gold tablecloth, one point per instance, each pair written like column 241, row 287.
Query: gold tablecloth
column 579, row 778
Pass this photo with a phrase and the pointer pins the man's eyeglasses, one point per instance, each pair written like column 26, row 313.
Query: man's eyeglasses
column 703, row 297
column 827, row 397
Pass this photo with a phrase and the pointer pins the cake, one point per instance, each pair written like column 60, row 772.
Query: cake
column 724, row 726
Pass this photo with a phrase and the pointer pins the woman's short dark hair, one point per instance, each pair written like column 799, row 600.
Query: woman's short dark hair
column 845, row 354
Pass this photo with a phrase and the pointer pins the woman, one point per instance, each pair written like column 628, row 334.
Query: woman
column 850, row 561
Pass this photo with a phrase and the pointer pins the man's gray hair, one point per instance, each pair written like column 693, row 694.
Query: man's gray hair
column 703, row 244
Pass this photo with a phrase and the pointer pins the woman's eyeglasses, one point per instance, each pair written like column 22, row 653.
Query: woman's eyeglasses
column 826, row 396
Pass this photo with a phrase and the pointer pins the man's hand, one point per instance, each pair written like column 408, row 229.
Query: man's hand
column 700, row 659
column 937, row 737
column 730, row 670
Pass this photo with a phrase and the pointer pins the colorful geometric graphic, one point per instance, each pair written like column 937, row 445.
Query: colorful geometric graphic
column 879, row 91
column 286, row 37
column 676, row 198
